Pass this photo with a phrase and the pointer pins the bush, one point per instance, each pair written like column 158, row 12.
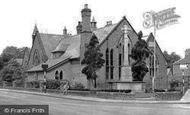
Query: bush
column 1, row 84
column 53, row 84
column 77, row 86
column 33, row 84
column 159, row 90
column 115, row 90
column 174, row 84
column 19, row 83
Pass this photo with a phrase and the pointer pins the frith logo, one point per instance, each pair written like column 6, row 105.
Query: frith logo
column 160, row 19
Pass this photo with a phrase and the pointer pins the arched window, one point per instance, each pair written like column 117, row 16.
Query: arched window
column 107, row 63
column 61, row 75
column 120, row 60
column 56, row 75
column 120, row 56
column 129, row 53
column 151, row 65
column 123, row 51
column 111, row 64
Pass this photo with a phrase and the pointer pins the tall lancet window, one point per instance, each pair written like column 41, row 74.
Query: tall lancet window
column 107, row 63
column 129, row 53
column 61, row 75
column 119, row 61
column 36, row 58
column 111, row 64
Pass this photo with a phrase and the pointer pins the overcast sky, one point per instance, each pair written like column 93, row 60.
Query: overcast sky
column 17, row 19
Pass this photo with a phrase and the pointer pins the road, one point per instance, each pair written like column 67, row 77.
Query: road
column 61, row 106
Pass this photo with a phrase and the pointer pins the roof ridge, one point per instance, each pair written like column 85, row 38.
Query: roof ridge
column 106, row 26
column 52, row 34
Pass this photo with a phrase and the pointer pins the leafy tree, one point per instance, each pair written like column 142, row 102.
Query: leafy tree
column 12, row 52
column 140, row 52
column 93, row 61
column 12, row 71
column 1, row 63
column 9, row 52
column 171, row 58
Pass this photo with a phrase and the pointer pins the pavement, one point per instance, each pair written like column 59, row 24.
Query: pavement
column 186, row 97
column 185, row 100
column 77, row 105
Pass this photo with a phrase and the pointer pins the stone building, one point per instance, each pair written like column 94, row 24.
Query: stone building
column 64, row 52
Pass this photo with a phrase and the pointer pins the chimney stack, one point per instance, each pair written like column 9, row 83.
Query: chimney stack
column 86, row 17
column 86, row 30
column 65, row 31
column 79, row 27
column 93, row 24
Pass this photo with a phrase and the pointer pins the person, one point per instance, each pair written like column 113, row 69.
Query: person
column 64, row 87
column 43, row 86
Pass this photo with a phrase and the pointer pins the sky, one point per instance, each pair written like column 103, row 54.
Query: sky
column 18, row 17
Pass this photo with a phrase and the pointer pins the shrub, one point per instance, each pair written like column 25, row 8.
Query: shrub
column 115, row 90
column 33, row 84
column 174, row 84
column 159, row 90
column 19, row 83
column 53, row 84
column 77, row 86
column 1, row 83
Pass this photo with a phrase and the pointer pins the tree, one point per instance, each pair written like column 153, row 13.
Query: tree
column 12, row 52
column 140, row 52
column 93, row 61
column 11, row 72
column 171, row 58
column 9, row 52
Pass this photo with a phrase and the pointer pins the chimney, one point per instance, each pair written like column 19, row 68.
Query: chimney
column 79, row 27
column 86, row 30
column 93, row 24
column 65, row 31
column 86, row 16
column 108, row 23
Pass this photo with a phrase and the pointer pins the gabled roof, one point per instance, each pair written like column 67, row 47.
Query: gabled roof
column 151, row 38
column 101, row 33
column 50, row 42
column 51, row 63
column 68, row 44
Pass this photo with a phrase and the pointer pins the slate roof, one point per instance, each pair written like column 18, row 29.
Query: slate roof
column 101, row 33
column 68, row 44
column 51, row 63
column 50, row 42
column 185, row 60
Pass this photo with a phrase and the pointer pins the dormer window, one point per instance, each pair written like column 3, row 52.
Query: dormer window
column 60, row 50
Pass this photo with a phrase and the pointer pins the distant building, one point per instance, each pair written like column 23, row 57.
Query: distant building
column 177, row 72
column 64, row 52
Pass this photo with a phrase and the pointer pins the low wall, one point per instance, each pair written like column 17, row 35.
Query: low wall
column 113, row 95
column 168, row 95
